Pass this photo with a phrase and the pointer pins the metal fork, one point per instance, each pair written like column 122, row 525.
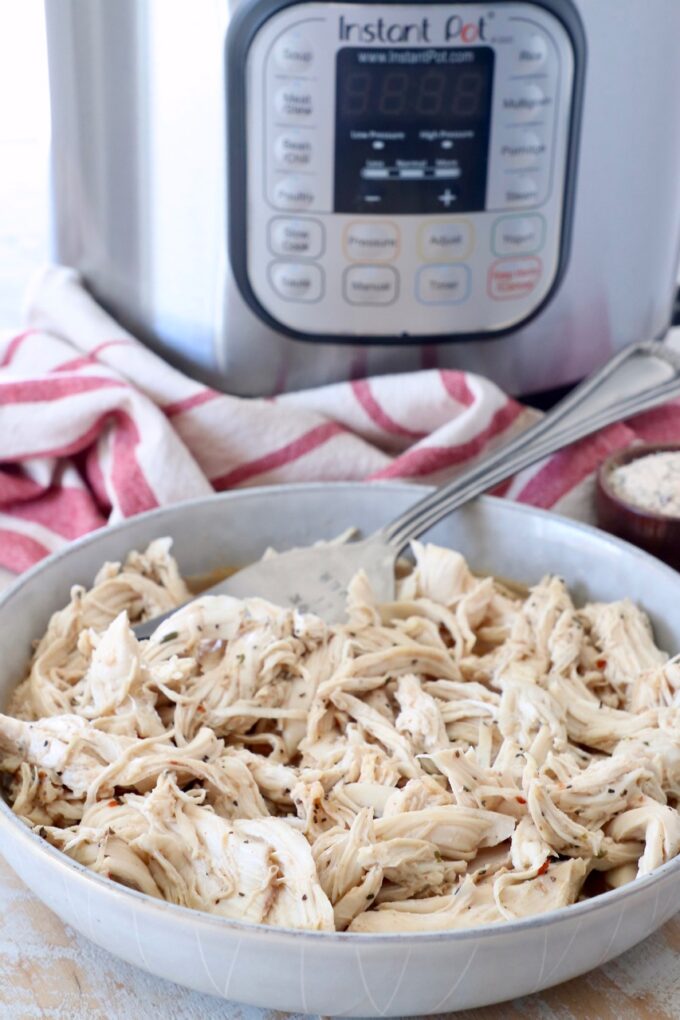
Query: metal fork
column 315, row 579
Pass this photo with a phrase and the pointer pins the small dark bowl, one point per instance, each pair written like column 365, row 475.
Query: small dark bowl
column 656, row 533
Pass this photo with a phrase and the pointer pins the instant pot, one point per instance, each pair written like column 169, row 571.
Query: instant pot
column 278, row 194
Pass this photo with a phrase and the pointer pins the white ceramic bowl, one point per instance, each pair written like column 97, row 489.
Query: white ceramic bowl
column 343, row 974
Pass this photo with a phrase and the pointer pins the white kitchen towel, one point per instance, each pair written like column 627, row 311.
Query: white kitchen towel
column 94, row 427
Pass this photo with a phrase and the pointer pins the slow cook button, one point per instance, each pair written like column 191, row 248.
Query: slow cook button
column 296, row 281
column 526, row 103
column 370, row 285
column 295, row 237
column 293, row 193
column 371, row 242
column 443, row 285
column 513, row 278
column 293, row 150
column 293, row 53
column 294, row 101
column 518, row 235
column 441, row 241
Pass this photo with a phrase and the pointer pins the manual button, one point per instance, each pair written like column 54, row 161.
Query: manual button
column 441, row 241
column 371, row 242
column 443, row 285
column 296, row 281
column 371, row 285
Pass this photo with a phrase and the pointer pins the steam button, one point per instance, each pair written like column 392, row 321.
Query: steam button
column 521, row 191
column 294, row 101
column 293, row 193
column 296, row 281
column 293, row 53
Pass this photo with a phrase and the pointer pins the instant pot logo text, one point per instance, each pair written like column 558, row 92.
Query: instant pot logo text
column 456, row 29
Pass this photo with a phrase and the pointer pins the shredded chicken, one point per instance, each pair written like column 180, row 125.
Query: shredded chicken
column 464, row 755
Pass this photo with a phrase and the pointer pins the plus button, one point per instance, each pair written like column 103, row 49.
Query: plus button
column 447, row 197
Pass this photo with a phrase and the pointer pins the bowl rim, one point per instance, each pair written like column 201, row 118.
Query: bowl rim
column 626, row 456
column 14, row 828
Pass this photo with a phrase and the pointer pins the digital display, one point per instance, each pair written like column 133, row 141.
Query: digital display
column 412, row 129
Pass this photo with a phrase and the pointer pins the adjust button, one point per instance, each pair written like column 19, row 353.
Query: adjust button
column 296, row 281
column 518, row 235
column 371, row 285
column 293, row 53
column 510, row 279
column 294, row 101
column 293, row 193
column 293, row 150
column 441, row 241
column 288, row 236
column 371, row 242
column 443, row 285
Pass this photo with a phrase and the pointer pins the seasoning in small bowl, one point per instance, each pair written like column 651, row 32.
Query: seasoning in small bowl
column 638, row 498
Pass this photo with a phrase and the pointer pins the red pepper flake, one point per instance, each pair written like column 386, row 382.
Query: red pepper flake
column 113, row 803
column 600, row 663
column 520, row 800
column 544, row 867
column 201, row 708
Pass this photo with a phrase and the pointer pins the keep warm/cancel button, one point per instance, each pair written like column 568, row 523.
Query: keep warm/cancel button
column 513, row 278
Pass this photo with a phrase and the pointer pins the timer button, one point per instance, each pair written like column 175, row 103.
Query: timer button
column 374, row 242
column 293, row 193
column 518, row 235
column 530, row 54
column 296, row 281
column 522, row 148
column 293, row 53
column 442, row 241
column 292, row 150
column 371, row 285
column 529, row 102
column 289, row 236
column 521, row 191
column 294, row 101
column 443, row 285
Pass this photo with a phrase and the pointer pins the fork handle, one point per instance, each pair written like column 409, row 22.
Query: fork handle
column 638, row 378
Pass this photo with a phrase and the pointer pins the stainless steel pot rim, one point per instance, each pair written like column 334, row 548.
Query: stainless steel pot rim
column 13, row 828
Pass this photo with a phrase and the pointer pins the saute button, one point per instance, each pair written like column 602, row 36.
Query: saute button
column 293, row 150
column 374, row 242
column 370, row 285
column 518, row 235
column 293, row 53
column 443, row 241
column 293, row 193
column 295, row 237
column 513, row 278
column 526, row 103
column 443, row 285
column 296, row 281
column 530, row 54
column 294, row 101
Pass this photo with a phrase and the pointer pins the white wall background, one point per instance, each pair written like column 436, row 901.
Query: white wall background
column 24, row 142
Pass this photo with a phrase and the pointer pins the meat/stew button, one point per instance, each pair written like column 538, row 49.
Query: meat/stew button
column 513, row 277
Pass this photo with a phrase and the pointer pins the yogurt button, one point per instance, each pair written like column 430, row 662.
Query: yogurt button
column 374, row 242
column 289, row 236
column 296, row 281
column 293, row 193
column 293, row 53
column 292, row 150
column 370, row 285
column 518, row 235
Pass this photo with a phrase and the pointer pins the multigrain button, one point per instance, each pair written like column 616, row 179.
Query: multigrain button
column 293, row 150
column 293, row 53
column 371, row 242
column 530, row 54
column 288, row 236
column 296, row 281
column 443, row 285
column 294, row 101
column 370, row 285
column 528, row 102
column 518, row 235
column 293, row 193
column 441, row 241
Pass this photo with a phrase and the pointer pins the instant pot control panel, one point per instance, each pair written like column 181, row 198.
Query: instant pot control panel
column 404, row 166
